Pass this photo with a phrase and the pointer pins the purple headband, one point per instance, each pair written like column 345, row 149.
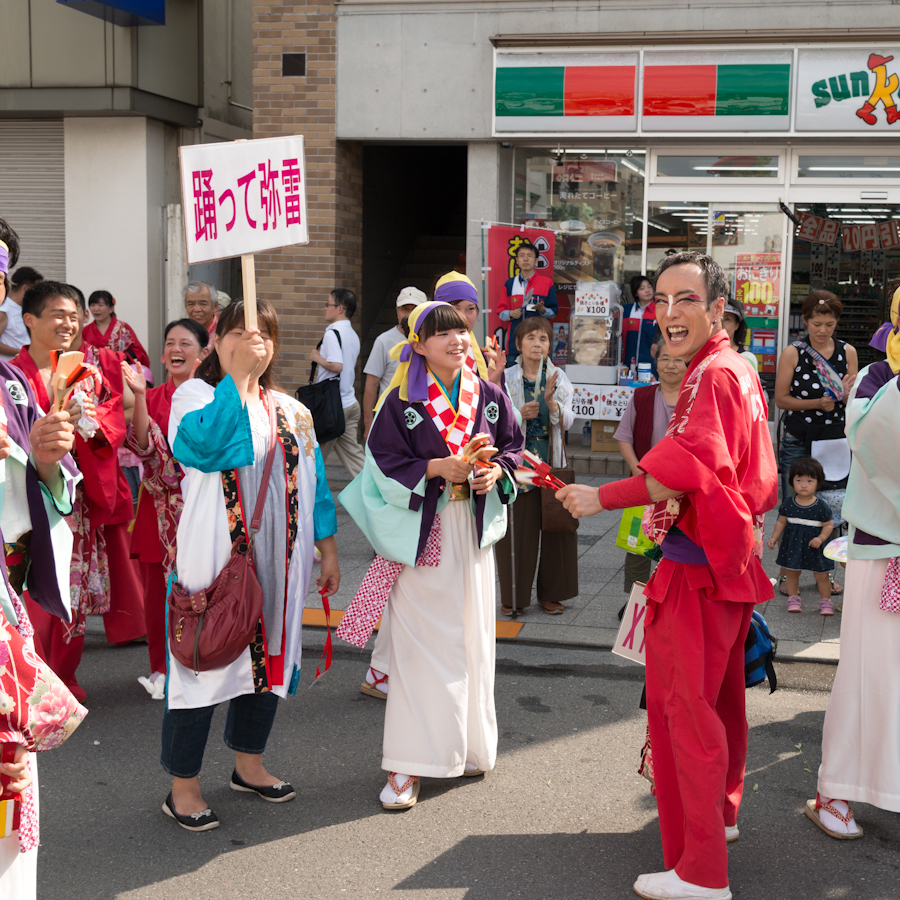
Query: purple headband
column 880, row 338
column 4, row 259
column 453, row 291
column 417, row 376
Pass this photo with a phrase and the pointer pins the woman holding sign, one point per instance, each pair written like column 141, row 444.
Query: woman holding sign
column 236, row 437
column 543, row 395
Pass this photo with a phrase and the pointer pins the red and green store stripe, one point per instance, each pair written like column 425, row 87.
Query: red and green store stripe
column 703, row 90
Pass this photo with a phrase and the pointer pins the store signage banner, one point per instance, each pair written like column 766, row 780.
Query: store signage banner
column 559, row 92
column 817, row 230
column 503, row 242
column 717, row 91
column 871, row 236
column 243, row 197
column 600, row 401
column 848, row 90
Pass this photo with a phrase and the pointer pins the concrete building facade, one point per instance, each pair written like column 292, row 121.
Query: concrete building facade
column 662, row 126
column 91, row 117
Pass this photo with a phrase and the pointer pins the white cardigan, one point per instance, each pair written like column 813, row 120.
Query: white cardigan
column 564, row 417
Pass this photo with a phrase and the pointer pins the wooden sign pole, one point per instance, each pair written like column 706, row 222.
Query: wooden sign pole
column 248, row 270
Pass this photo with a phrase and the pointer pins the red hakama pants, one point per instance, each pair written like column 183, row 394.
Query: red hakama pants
column 698, row 726
column 154, row 577
column 125, row 620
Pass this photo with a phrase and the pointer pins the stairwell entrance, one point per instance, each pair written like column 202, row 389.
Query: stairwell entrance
column 414, row 225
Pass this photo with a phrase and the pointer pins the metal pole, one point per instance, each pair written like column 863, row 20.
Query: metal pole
column 512, row 553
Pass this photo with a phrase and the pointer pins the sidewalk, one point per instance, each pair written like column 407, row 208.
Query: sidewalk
column 590, row 618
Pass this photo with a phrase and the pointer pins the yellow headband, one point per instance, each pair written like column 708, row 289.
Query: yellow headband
column 893, row 341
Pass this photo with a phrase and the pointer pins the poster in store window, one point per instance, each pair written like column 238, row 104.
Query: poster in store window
column 503, row 242
column 757, row 277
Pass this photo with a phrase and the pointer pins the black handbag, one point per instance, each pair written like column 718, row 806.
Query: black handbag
column 323, row 400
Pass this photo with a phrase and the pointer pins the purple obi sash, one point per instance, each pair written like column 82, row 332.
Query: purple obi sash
column 680, row 548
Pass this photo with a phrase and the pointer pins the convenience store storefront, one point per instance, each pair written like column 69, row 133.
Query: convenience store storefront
column 654, row 151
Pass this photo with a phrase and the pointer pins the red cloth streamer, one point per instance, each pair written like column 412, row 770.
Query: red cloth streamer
column 327, row 652
column 625, row 493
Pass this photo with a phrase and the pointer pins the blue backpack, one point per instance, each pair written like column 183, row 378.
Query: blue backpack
column 759, row 654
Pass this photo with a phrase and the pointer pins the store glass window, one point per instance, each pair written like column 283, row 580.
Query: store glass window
column 745, row 239
column 859, row 277
column 594, row 199
column 717, row 166
column 849, row 167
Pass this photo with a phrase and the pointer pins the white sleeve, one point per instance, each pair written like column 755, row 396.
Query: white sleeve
column 331, row 349
column 376, row 364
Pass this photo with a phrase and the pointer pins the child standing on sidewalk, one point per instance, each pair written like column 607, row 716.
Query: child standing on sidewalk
column 804, row 525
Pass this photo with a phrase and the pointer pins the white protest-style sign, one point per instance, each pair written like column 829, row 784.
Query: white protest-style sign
column 243, row 197
column 629, row 641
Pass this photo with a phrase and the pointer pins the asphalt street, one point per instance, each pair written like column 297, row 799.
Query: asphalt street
column 564, row 816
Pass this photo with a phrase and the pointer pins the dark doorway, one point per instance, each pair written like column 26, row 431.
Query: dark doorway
column 414, row 225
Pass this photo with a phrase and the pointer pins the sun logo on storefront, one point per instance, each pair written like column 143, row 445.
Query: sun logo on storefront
column 838, row 88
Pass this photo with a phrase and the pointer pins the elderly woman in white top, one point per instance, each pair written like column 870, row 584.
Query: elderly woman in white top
column 543, row 396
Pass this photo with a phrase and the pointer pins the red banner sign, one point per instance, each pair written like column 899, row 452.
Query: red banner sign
column 757, row 276
column 817, row 230
column 503, row 241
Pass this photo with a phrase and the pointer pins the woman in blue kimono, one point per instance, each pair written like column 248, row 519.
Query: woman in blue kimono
column 432, row 517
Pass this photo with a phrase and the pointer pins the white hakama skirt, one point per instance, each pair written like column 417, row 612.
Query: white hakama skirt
column 440, row 707
column 18, row 871
column 861, row 737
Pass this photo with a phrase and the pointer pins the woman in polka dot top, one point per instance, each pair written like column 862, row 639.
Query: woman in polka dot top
column 813, row 412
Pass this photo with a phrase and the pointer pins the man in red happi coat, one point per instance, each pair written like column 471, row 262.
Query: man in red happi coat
column 104, row 579
column 707, row 484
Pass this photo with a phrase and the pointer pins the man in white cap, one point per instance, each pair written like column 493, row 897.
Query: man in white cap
column 380, row 367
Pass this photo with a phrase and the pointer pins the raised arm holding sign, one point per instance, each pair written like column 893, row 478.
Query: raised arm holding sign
column 241, row 198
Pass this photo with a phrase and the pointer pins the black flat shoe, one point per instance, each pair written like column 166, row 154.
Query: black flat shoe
column 201, row 821
column 274, row 793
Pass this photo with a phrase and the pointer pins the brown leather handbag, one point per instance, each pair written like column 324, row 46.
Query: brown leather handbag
column 211, row 628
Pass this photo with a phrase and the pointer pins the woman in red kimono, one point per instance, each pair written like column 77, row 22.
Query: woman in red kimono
column 107, row 332
column 160, row 503
column 707, row 484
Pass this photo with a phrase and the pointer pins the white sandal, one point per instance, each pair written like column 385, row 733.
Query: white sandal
column 812, row 812
column 410, row 786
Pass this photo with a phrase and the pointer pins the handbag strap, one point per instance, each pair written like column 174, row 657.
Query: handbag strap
column 314, row 366
column 256, row 521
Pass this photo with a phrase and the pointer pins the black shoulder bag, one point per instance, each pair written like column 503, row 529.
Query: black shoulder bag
column 323, row 400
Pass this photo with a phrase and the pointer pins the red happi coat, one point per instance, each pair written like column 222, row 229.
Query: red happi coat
column 103, row 496
column 119, row 337
column 718, row 451
column 160, row 503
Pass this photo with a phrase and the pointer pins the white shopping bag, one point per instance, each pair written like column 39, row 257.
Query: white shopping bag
column 630, row 639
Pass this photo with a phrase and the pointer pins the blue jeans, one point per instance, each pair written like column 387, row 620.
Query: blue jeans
column 185, row 731
column 792, row 449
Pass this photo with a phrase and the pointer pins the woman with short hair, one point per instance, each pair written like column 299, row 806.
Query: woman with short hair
column 543, row 395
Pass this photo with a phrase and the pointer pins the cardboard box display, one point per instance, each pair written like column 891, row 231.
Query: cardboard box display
column 602, row 436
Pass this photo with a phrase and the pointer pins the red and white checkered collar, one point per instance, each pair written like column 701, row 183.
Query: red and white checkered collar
column 455, row 425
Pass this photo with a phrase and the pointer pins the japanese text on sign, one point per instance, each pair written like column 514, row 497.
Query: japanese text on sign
column 756, row 281
column 243, row 197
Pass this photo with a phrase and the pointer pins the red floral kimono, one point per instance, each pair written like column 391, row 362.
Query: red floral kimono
column 119, row 337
